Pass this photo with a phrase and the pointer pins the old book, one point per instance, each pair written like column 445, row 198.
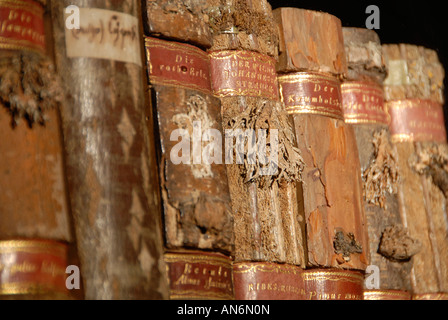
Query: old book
column 414, row 95
column 262, row 160
column 311, row 63
column 363, row 106
column 198, row 229
column 35, row 229
column 110, row 149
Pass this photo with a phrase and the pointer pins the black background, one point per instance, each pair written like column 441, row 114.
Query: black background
column 423, row 22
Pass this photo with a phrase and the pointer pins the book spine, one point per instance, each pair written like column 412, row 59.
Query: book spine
column 34, row 222
column 418, row 131
column 110, row 149
column 310, row 89
column 363, row 106
column 197, row 215
column 268, row 228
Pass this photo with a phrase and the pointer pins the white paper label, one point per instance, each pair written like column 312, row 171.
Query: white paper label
column 105, row 34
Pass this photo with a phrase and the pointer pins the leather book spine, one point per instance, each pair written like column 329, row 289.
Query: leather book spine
column 311, row 64
column 414, row 96
column 193, row 179
column 110, row 149
column 363, row 106
column 35, row 229
column 268, row 228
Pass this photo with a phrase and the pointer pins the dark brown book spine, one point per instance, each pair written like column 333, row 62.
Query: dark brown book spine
column 414, row 95
column 34, row 222
column 363, row 106
column 268, row 229
column 110, row 150
column 198, row 228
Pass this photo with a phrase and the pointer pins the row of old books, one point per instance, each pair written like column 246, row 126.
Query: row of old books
column 216, row 149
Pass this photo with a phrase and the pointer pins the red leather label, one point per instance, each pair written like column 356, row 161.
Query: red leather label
column 178, row 64
column 333, row 284
column 267, row 281
column 270, row 281
column 386, row 295
column 311, row 93
column 32, row 266
column 21, row 25
column 199, row 275
column 416, row 120
column 243, row 73
column 363, row 102
column 430, row 296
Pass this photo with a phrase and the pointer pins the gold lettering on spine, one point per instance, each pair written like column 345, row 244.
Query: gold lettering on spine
column 243, row 73
column 311, row 93
column 177, row 64
column 21, row 25
column 32, row 266
column 199, row 275
column 363, row 102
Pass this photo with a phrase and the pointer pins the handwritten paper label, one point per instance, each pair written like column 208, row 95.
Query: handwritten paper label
column 105, row 34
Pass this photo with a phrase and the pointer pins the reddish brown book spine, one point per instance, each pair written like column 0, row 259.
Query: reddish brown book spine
column 414, row 95
column 198, row 227
column 310, row 90
column 363, row 106
column 311, row 62
column 268, row 228
column 34, row 222
column 110, row 149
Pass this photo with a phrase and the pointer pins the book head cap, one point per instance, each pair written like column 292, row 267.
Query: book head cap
column 310, row 41
column 414, row 72
column 365, row 60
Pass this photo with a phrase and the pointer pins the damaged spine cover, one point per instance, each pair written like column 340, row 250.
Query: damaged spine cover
column 198, row 229
column 35, row 234
column 312, row 62
column 110, row 149
column 414, row 100
column 363, row 104
column 262, row 159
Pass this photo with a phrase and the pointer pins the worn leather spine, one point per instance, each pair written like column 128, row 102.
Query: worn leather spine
column 110, row 149
column 312, row 62
column 198, row 229
column 35, row 233
column 414, row 95
column 268, row 229
column 363, row 106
